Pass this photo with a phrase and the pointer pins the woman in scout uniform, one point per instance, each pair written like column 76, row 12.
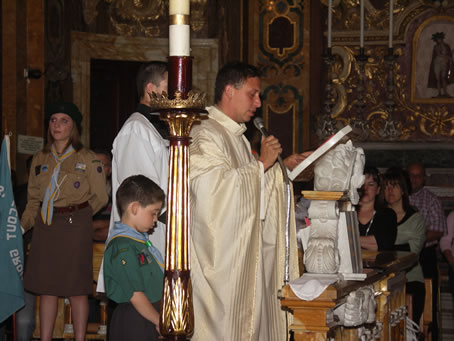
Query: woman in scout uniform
column 133, row 267
column 66, row 187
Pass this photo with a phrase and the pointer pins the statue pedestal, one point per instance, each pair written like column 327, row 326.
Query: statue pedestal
column 335, row 209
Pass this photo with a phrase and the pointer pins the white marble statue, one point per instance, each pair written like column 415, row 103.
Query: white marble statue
column 341, row 169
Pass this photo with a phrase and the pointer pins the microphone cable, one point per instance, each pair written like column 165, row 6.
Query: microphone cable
column 258, row 122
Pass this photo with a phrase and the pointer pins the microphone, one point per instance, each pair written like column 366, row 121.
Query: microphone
column 259, row 124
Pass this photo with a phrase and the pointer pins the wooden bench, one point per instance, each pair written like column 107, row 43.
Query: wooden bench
column 426, row 318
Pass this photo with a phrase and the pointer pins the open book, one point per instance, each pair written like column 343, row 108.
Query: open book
column 325, row 147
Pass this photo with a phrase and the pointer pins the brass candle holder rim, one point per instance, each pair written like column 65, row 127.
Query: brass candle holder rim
column 180, row 57
column 194, row 100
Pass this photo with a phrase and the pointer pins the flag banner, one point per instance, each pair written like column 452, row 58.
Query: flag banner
column 11, row 247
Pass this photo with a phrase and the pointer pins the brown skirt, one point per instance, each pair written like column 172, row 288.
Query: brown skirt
column 60, row 261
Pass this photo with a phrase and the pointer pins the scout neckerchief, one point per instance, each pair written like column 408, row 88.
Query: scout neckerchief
column 53, row 189
column 123, row 230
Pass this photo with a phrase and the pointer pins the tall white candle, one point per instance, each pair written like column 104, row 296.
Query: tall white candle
column 179, row 38
column 330, row 21
column 179, row 29
column 178, row 7
column 391, row 8
column 361, row 24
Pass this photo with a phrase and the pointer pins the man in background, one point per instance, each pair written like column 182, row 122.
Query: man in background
column 431, row 209
column 140, row 148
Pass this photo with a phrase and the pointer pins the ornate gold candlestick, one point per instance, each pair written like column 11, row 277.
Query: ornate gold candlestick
column 180, row 109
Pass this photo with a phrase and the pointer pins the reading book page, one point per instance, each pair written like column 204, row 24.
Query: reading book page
column 326, row 146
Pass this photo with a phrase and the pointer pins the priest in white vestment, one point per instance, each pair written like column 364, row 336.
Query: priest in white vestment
column 238, row 211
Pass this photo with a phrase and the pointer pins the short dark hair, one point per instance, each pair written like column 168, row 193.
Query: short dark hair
column 233, row 73
column 376, row 176
column 418, row 164
column 102, row 151
column 396, row 176
column 152, row 72
column 138, row 188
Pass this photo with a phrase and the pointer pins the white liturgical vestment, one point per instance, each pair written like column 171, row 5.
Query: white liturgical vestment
column 138, row 148
column 237, row 259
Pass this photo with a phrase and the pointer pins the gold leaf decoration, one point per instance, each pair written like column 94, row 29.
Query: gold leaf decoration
column 137, row 17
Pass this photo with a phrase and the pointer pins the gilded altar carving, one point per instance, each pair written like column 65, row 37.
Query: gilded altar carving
column 429, row 120
column 89, row 10
column 403, row 119
column 340, row 73
column 142, row 17
column 132, row 18
column 346, row 17
column 198, row 19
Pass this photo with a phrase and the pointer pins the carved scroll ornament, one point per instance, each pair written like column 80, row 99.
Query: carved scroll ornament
column 341, row 170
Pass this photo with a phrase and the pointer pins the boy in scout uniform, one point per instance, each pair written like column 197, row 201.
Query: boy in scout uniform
column 133, row 267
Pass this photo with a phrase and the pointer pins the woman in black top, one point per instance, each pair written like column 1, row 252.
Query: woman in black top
column 377, row 224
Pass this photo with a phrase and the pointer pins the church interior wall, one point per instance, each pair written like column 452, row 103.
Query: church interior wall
column 296, row 85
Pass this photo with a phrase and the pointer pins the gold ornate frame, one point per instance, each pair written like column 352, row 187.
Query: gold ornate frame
column 421, row 59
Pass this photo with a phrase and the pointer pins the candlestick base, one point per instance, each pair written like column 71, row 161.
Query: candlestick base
column 177, row 315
